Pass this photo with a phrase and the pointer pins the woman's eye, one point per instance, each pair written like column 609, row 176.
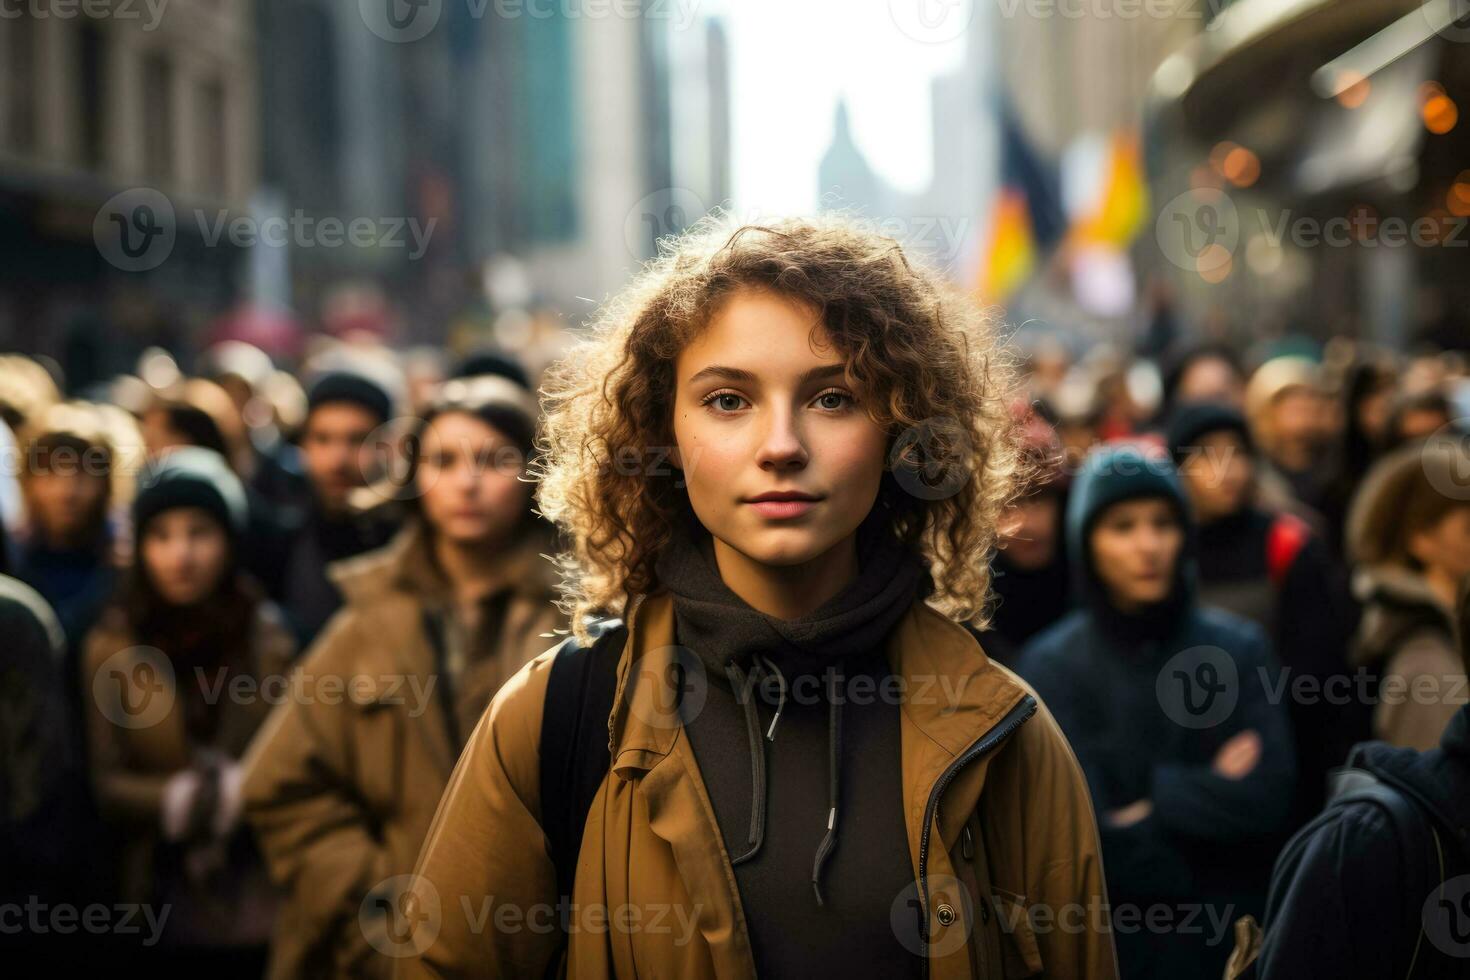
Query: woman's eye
column 834, row 400
column 724, row 401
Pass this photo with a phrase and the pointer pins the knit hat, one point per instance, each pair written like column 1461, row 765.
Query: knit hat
column 495, row 364
column 350, row 386
column 1193, row 421
column 191, row 476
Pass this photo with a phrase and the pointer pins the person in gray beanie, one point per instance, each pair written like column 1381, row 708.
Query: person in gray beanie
column 175, row 676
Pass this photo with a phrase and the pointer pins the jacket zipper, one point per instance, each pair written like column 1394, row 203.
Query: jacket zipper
column 984, row 744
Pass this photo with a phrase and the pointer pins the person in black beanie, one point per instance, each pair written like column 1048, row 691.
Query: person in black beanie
column 1271, row 569
column 344, row 408
column 177, row 670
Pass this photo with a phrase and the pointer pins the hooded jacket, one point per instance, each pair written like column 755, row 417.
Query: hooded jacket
column 1147, row 700
column 342, row 781
column 1336, row 915
column 995, row 821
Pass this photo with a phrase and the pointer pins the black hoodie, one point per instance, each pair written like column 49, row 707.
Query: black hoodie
column 1348, row 909
column 800, row 754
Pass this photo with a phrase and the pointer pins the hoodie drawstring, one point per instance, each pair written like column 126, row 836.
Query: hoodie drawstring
column 763, row 665
column 834, row 773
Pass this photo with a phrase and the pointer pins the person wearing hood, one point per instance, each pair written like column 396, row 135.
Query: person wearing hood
column 1190, row 763
column 1361, row 898
column 179, row 670
column 341, row 791
column 344, row 408
column 45, row 845
column 811, row 767
column 1409, row 538
column 1273, row 570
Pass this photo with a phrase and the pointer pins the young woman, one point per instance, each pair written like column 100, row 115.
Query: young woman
column 1189, row 762
column 1409, row 536
column 813, row 767
column 177, row 672
column 1271, row 569
column 341, row 789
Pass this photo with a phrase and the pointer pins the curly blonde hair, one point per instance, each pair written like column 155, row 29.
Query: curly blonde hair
column 928, row 363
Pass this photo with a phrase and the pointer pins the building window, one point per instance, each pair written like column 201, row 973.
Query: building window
column 92, row 111
column 214, row 153
column 158, row 118
column 20, row 63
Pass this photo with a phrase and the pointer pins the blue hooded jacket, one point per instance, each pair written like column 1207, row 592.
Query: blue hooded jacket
column 1147, row 701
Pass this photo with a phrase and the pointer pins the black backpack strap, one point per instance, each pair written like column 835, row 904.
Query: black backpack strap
column 574, row 752
column 1421, row 852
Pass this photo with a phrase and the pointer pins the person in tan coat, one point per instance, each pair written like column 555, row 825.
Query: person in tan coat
column 1408, row 534
column 176, row 679
column 343, row 781
column 781, row 458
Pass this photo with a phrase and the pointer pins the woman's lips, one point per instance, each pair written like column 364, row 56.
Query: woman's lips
column 782, row 509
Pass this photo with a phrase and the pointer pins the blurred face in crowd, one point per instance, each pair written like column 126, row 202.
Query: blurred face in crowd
column 185, row 552
column 1217, row 474
column 1029, row 535
column 1135, row 544
column 1297, row 421
column 468, row 480
column 1420, row 423
column 332, row 450
column 66, row 495
column 763, row 406
column 1443, row 548
column 1210, row 379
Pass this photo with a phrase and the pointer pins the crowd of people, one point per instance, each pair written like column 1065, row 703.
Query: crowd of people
column 255, row 616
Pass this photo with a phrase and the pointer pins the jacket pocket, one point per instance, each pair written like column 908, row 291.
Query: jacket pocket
column 1020, row 955
column 379, row 745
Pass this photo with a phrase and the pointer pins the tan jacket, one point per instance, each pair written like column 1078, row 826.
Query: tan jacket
column 137, row 740
column 342, row 782
column 655, row 894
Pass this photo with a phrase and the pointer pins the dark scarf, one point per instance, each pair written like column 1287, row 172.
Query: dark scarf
column 746, row 647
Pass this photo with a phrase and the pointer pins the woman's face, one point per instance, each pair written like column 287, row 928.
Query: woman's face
column 763, row 407
column 1444, row 547
column 1218, row 475
column 468, row 480
column 185, row 552
column 1135, row 544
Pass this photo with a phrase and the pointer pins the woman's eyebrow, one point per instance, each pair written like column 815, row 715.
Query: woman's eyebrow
column 740, row 374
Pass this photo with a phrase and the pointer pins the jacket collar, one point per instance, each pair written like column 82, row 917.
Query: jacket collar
column 406, row 564
column 952, row 696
